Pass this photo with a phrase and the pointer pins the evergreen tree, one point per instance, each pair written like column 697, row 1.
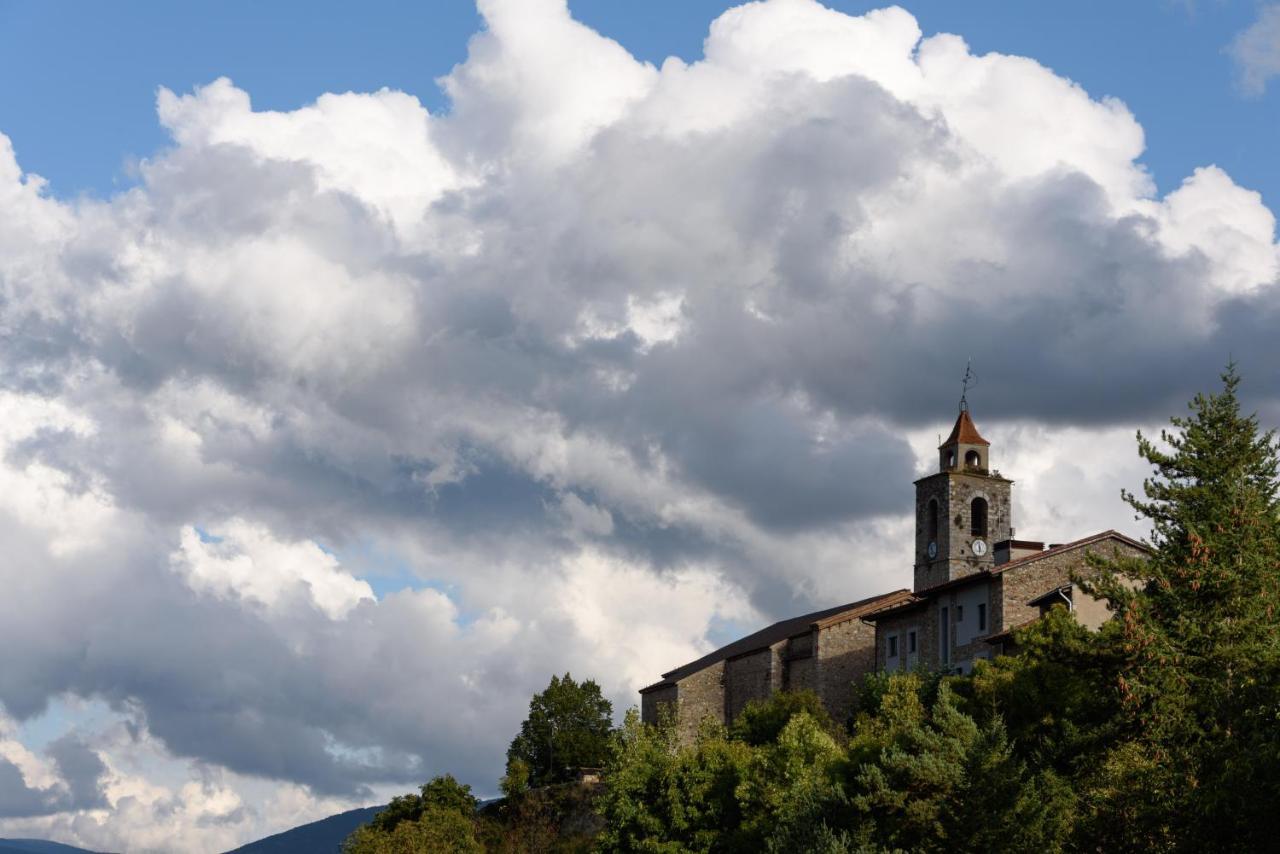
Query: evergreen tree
column 1198, row 639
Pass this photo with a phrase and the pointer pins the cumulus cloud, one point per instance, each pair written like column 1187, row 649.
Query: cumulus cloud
column 329, row 442
column 1256, row 51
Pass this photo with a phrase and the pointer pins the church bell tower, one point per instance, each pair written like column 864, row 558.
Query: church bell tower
column 962, row 510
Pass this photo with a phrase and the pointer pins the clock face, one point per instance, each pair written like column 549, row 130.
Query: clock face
column 933, row 550
column 979, row 547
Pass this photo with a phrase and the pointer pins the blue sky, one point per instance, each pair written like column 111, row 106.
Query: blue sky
column 77, row 80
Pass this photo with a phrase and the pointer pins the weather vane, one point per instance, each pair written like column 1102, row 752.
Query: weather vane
column 970, row 380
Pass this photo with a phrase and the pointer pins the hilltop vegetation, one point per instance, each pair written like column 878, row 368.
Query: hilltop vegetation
column 1160, row 732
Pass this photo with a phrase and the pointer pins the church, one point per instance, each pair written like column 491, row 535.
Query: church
column 973, row 585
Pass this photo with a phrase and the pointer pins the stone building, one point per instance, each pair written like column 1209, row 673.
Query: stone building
column 973, row 585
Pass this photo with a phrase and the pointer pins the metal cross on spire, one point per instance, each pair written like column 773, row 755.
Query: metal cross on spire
column 970, row 380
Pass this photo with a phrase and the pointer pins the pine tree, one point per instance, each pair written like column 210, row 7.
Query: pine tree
column 1198, row 639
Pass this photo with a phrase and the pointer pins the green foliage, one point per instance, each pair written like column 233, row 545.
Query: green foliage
column 436, row 829
column 660, row 798
column 761, row 721
column 930, row 778
column 567, row 728
column 1199, row 674
column 443, row 792
column 516, row 781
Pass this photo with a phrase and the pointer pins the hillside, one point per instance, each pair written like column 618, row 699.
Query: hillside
column 38, row 846
column 318, row 837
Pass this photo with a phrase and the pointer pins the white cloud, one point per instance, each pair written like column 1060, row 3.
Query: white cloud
column 238, row 558
column 1256, row 50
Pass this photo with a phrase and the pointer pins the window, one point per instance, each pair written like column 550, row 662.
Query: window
column 893, row 646
column 978, row 517
column 959, row 613
column 973, row 460
column 982, row 616
column 944, row 636
column 933, row 520
column 911, row 643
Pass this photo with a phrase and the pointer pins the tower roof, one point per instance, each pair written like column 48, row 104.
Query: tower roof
column 965, row 432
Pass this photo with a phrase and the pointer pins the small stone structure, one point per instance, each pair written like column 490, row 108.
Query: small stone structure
column 974, row 584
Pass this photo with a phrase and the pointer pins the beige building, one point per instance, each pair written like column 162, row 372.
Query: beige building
column 973, row 584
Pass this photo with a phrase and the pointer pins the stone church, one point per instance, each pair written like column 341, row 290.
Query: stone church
column 973, row 585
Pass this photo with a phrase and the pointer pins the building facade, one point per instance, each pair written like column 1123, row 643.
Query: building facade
column 973, row 585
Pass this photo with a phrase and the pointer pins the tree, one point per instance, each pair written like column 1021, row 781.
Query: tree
column 1199, row 681
column 436, row 830
column 443, row 792
column 762, row 721
column 567, row 728
column 923, row 775
column 660, row 797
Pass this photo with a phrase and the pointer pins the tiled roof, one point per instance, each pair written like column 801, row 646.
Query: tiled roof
column 965, row 432
column 782, row 630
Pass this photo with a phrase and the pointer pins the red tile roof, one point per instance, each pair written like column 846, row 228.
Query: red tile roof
column 965, row 432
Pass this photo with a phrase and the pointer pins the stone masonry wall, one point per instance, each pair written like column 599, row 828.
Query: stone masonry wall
column 1021, row 584
column 955, row 492
column 799, row 673
column 748, row 677
column 700, row 694
column 653, row 701
column 846, row 652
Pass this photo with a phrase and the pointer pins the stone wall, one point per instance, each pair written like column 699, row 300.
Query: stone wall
column 1023, row 583
column 748, row 677
column 955, row 492
column 846, row 652
column 652, row 702
column 700, row 695
column 800, row 665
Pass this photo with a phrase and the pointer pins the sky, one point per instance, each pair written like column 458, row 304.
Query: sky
column 362, row 368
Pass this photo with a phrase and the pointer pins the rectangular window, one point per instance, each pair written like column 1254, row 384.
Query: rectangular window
column 944, row 635
column 982, row 617
column 959, row 613
column 893, row 646
column 911, row 642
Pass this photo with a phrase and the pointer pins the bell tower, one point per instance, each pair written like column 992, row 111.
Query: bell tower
column 961, row 510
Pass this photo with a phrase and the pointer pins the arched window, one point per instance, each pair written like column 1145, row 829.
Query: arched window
column 951, row 459
column 973, row 459
column 978, row 517
column 933, row 520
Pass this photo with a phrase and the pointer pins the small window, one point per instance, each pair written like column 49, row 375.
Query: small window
column 911, row 642
column 893, row 646
column 982, row 617
column 973, row 460
column 978, row 517
column 959, row 613
column 944, row 635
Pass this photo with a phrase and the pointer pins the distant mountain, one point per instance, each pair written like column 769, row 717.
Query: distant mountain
column 38, row 846
column 319, row 837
